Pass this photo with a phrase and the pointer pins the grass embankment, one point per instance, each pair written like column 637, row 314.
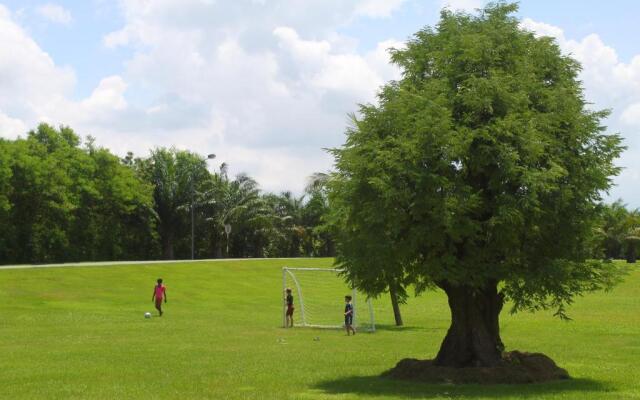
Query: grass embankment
column 79, row 333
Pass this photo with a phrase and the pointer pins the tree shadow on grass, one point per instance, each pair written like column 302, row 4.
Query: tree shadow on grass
column 372, row 386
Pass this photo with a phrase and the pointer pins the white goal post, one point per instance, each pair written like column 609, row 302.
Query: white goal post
column 318, row 299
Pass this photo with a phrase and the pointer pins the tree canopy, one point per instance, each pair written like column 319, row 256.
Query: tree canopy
column 479, row 172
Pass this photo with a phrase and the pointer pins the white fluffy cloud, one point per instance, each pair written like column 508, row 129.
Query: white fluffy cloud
column 11, row 127
column 109, row 95
column 609, row 84
column 55, row 13
column 631, row 116
column 325, row 70
column 378, row 8
column 264, row 86
column 33, row 87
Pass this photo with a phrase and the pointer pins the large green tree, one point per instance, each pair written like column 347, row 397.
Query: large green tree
column 479, row 173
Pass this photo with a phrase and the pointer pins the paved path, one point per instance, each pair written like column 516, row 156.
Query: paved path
column 106, row 263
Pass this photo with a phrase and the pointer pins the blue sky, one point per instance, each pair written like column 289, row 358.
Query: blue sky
column 265, row 84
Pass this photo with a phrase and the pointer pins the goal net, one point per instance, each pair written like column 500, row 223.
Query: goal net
column 319, row 299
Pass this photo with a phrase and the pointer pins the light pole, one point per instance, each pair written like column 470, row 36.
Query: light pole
column 227, row 230
column 209, row 157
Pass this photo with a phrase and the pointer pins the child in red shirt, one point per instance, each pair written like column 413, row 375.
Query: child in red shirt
column 159, row 291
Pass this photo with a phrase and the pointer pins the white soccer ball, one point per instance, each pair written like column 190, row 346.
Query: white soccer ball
column 147, row 315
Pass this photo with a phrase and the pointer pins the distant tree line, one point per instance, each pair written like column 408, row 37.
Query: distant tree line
column 65, row 200
column 618, row 235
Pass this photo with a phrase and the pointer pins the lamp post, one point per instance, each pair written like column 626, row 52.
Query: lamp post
column 209, row 157
column 227, row 230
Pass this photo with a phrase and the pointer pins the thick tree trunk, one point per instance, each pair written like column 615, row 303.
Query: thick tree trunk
column 473, row 339
column 395, row 305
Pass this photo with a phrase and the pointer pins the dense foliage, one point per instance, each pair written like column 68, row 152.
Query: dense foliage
column 479, row 172
column 62, row 200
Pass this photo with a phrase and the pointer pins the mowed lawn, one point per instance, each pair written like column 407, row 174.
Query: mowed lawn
column 79, row 333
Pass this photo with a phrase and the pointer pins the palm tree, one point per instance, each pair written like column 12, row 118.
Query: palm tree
column 232, row 204
column 614, row 228
column 317, row 181
column 287, row 233
column 316, row 207
column 174, row 175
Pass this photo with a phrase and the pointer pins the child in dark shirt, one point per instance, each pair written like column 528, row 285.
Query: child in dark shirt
column 289, row 313
column 348, row 315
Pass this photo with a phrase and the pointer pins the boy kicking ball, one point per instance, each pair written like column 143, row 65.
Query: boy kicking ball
column 348, row 315
column 159, row 292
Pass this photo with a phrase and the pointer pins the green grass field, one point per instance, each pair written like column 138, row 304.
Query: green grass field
column 79, row 333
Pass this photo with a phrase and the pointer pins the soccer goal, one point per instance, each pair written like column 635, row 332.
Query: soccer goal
column 319, row 299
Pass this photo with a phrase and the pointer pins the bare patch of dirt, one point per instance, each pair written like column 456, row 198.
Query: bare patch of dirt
column 516, row 367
